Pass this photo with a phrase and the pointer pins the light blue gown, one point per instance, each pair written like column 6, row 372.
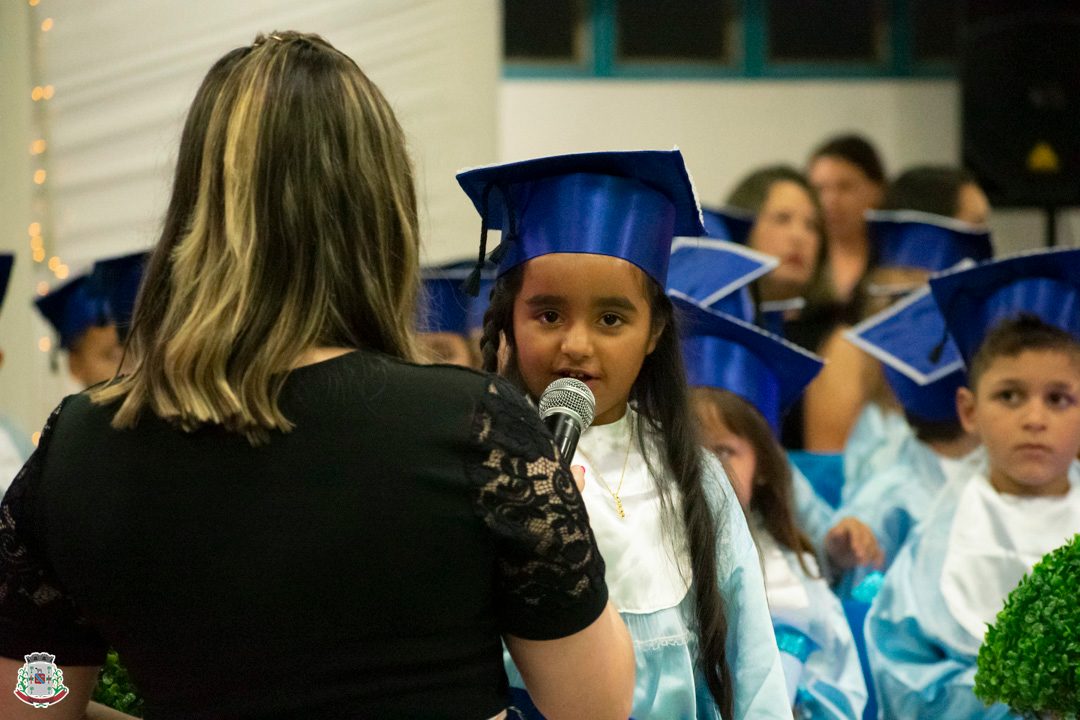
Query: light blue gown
column 813, row 514
column 818, row 651
column 15, row 449
column 647, row 583
column 927, row 622
column 872, row 445
column 894, row 499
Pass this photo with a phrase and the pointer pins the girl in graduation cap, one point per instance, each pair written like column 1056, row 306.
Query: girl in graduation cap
column 580, row 293
column 743, row 379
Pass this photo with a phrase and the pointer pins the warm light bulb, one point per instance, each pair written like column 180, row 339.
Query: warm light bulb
column 37, row 93
column 37, row 147
column 34, row 229
column 39, row 254
column 62, row 272
column 33, row 3
column 37, row 242
column 44, row 344
column 42, row 288
column 47, row 92
column 54, row 262
column 39, row 177
column 36, row 437
column 46, row 25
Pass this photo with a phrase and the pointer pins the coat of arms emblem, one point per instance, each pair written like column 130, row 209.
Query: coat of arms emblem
column 41, row 683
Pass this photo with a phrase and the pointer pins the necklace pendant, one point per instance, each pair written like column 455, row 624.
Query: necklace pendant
column 619, row 507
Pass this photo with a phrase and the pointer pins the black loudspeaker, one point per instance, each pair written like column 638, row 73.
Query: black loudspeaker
column 1020, row 79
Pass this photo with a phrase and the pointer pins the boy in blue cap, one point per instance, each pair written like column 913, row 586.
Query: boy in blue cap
column 14, row 445
column 743, row 378
column 1016, row 323
column 83, row 330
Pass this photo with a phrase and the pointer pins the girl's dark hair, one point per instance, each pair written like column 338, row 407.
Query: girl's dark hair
column 858, row 151
column 662, row 400
column 750, row 195
column 773, row 499
column 928, row 188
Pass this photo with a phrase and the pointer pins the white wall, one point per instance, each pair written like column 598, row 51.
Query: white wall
column 727, row 128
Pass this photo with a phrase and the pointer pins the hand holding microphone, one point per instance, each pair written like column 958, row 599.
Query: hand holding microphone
column 567, row 408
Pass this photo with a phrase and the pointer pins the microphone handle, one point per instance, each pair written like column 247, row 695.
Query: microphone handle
column 566, row 431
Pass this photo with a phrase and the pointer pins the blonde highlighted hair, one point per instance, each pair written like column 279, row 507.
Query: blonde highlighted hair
column 292, row 225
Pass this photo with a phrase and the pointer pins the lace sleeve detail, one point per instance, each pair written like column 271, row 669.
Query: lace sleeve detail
column 550, row 573
column 34, row 608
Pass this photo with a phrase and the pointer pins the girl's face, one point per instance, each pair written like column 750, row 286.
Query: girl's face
column 734, row 451
column 787, row 228
column 588, row 317
column 846, row 193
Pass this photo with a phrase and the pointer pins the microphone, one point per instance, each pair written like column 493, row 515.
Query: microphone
column 567, row 407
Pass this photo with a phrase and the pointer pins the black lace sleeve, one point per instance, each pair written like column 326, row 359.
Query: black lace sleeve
column 36, row 614
column 550, row 573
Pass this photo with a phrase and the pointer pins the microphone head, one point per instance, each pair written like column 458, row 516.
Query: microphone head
column 569, row 396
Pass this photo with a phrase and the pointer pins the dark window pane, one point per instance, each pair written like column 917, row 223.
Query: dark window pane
column 543, row 30
column 673, row 30
column 826, row 31
column 934, row 24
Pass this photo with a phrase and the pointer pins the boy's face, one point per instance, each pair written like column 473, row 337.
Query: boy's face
column 1026, row 409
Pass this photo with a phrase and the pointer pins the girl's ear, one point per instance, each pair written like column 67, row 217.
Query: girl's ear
column 965, row 409
column 654, row 336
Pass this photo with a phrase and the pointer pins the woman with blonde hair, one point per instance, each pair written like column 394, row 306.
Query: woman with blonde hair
column 276, row 513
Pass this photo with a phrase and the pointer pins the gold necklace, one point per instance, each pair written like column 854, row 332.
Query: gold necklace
column 626, row 461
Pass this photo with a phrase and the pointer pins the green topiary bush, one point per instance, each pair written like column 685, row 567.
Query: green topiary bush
column 1030, row 658
column 115, row 689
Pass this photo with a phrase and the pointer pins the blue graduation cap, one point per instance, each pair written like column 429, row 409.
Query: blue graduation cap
column 771, row 313
column 1043, row 283
column 72, row 310
column 445, row 306
column 728, row 223
column 7, row 260
column 624, row 204
column 116, row 281
column 716, row 274
column 724, row 352
column 908, row 238
column 904, row 337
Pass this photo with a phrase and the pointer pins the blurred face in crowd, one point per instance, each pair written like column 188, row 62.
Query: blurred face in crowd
column 787, row 228
column 95, row 356
column 846, row 193
column 734, row 451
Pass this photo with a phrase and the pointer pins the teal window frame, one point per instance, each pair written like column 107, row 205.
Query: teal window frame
column 749, row 57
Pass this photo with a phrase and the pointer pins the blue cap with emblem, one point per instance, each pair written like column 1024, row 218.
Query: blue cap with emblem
column 716, row 274
column 623, row 204
column 725, row 352
column 909, row 238
column 1044, row 283
column 903, row 337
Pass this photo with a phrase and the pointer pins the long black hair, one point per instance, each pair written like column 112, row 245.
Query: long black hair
column 662, row 400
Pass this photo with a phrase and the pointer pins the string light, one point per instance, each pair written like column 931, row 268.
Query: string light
column 42, row 288
column 62, row 272
column 34, row 229
column 37, row 242
column 36, row 437
column 47, row 92
column 39, row 254
column 37, row 93
column 33, row 3
column 44, row 344
column 46, row 25
column 39, row 176
column 37, row 147
column 54, row 262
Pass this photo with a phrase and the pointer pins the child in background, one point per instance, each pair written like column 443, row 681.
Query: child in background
column 580, row 293
column 444, row 311
column 742, row 379
column 925, row 378
column 83, row 330
column 14, row 445
column 1016, row 322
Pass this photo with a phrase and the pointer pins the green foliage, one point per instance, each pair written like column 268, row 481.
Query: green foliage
column 115, row 689
column 1030, row 658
